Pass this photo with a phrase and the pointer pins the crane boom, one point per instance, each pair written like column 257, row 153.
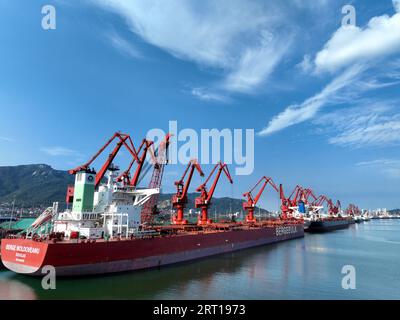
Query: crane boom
column 204, row 200
column 160, row 160
column 307, row 194
column 123, row 140
column 125, row 176
column 146, row 144
column 180, row 198
column 251, row 202
column 297, row 193
column 324, row 199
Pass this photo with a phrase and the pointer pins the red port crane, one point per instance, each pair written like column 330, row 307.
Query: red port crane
column 204, row 200
column 140, row 160
column 292, row 201
column 308, row 192
column 150, row 209
column 321, row 199
column 179, row 200
column 123, row 140
column 353, row 210
column 251, row 202
column 336, row 208
column 296, row 195
column 285, row 203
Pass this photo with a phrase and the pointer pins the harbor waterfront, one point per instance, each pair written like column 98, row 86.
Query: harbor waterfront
column 305, row 268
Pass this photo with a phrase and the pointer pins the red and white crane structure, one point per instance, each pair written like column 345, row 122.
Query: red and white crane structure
column 353, row 210
column 318, row 203
column 142, row 152
column 252, row 201
column 204, row 200
column 290, row 204
column 160, row 160
column 139, row 158
column 308, row 192
column 337, row 209
column 179, row 200
column 332, row 209
column 285, row 203
column 123, row 139
column 296, row 195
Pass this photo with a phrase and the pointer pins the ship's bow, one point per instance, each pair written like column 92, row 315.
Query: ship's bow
column 23, row 255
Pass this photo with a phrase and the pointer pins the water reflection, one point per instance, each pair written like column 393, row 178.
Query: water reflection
column 15, row 290
column 308, row 268
column 186, row 280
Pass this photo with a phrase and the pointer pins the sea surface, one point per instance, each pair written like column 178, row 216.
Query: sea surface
column 309, row 268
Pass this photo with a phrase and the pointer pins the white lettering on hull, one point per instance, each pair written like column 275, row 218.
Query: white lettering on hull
column 24, row 249
column 280, row 231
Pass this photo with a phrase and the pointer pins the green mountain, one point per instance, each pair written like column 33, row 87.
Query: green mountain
column 33, row 185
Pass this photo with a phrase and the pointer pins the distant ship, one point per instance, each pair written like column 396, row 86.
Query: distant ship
column 325, row 224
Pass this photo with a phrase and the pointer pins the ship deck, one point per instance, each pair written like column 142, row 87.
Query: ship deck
column 164, row 231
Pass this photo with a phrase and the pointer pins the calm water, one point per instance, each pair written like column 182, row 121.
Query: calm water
column 308, row 268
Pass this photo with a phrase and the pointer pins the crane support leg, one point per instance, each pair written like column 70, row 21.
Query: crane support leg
column 250, row 216
column 203, row 220
column 178, row 219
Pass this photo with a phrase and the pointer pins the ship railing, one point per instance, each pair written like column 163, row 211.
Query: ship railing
column 39, row 230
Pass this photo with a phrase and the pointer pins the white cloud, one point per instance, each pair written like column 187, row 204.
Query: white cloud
column 204, row 95
column 372, row 124
column 306, row 64
column 349, row 48
column 352, row 44
column 58, row 151
column 245, row 40
column 122, row 45
column 389, row 167
column 256, row 64
column 298, row 113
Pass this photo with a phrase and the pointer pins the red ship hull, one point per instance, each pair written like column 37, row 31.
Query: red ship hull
column 76, row 259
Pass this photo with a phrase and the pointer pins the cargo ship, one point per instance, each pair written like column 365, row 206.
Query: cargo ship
column 103, row 233
column 325, row 224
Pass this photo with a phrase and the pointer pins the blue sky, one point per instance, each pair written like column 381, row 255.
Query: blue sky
column 322, row 98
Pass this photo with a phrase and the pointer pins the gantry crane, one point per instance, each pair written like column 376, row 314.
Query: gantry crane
column 123, row 140
column 317, row 204
column 297, row 194
column 150, row 209
column 179, row 199
column 285, row 203
column 143, row 150
column 353, row 210
column 300, row 196
column 336, row 209
column 204, row 200
column 251, row 202
column 308, row 192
